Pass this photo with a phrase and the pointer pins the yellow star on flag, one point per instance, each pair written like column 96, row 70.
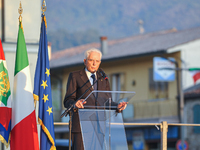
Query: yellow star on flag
column 44, row 83
column 45, row 97
column 49, row 110
column 47, row 72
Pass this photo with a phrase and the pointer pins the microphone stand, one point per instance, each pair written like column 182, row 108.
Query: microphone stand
column 70, row 129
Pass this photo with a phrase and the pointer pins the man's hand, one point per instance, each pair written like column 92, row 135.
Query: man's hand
column 80, row 103
column 122, row 105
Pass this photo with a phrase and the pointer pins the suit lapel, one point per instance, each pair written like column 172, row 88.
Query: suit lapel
column 85, row 79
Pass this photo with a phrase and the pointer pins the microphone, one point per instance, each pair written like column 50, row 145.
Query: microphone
column 103, row 74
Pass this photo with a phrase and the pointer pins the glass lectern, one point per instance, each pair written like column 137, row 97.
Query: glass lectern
column 101, row 126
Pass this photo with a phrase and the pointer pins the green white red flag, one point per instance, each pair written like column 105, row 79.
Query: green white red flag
column 5, row 101
column 24, row 134
column 195, row 72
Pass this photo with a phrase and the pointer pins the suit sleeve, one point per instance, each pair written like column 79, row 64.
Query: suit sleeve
column 70, row 96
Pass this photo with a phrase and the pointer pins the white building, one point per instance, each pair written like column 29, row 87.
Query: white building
column 9, row 25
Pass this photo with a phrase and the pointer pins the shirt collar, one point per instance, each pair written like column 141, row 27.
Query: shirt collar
column 89, row 73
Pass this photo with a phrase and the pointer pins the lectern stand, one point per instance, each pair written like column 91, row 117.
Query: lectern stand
column 101, row 126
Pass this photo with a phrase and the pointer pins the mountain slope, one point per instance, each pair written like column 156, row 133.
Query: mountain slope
column 117, row 18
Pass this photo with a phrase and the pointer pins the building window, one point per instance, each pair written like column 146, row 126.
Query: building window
column 117, row 83
column 196, row 115
column 157, row 90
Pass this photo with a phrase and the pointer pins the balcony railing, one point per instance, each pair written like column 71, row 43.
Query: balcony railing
column 163, row 128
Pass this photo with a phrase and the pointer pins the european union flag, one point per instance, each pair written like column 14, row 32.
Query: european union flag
column 42, row 92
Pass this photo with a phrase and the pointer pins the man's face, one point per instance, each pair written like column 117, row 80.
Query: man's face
column 92, row 62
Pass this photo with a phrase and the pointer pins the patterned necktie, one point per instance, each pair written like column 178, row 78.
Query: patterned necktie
column 94, row 84
column 94, row 87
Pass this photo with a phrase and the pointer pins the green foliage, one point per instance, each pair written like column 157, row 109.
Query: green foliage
column 62, row 39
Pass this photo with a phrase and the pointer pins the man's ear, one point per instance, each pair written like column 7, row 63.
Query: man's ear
column 84, row 61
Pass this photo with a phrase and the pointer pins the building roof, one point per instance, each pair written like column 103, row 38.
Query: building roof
column 192, row 92
column 145, row 44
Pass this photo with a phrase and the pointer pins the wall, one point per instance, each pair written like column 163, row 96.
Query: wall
column 192, row 138
column 31, row 20
column 190, row 53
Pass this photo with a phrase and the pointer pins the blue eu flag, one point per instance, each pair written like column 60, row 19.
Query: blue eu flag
column 42, row 92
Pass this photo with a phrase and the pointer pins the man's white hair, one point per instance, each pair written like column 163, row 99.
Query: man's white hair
column 87, row 53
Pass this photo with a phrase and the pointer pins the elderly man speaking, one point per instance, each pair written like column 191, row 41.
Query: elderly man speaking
column 78, row 83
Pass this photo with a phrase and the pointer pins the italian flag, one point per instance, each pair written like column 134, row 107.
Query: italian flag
column 195, row 72
column 5, row 101
column 24, row 134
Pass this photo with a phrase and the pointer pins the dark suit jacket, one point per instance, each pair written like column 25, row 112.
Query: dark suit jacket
column 76, row 83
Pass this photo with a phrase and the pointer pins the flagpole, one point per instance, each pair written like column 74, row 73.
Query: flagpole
column 43, row 8
column 3, row 20
column 24, row 133
column 20, row 10
column 2, row 147
column 42, row 89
